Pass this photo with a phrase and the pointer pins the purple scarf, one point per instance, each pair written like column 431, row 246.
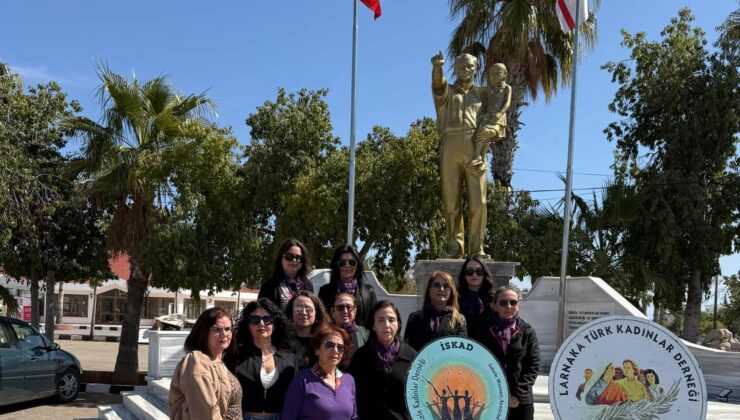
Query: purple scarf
column 435, row 315
column 348, row 287
column 503, row 329
column 386, row 355
column 351, row 328
column 471, row 303
column 295, row 284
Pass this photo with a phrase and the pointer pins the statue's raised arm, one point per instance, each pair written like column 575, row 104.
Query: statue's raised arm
column 438, row 77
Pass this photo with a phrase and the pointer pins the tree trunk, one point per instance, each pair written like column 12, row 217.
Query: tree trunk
column 50, row 310
column 692, row 313
column 35, row 320
column 60, row 304
column 127, row 362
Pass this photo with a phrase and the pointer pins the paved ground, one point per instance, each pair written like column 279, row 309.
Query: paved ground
column 101, row 355
column 83, row 408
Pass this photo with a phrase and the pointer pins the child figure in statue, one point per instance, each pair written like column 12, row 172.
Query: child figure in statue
column 493, row 123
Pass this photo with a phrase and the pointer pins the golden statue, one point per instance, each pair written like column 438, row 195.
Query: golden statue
column 468, row 118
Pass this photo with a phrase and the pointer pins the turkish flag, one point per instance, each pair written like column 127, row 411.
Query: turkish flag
column 374, row 5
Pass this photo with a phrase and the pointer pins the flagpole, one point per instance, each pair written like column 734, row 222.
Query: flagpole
column 568, row 185
column 352, row 130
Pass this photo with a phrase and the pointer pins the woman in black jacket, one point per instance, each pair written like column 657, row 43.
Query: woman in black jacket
column 290, row 274
column 347, row 276
column 265, row 364
column 440, row 315
column 514, row 344
column 380, row 367
column 474, row 287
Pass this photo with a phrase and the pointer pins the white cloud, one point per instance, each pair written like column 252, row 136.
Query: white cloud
column 40, row 74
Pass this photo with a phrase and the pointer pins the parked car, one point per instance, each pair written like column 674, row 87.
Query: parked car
column 33, row 367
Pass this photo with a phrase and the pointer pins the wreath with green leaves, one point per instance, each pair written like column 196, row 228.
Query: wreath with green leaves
column 644, row 409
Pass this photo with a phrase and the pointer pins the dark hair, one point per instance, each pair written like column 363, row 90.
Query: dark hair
column 485, row 287
column 322, row 317
column 326, row 330
column 278, row 273
column 646, row 371
column 335, row 279
column 281, row 327
column 198, row 337
column 344, row 295
column 380, row 305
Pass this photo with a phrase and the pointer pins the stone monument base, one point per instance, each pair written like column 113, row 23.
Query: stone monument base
column 502, row 272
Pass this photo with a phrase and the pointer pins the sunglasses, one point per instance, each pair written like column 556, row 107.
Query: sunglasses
column 332, row 345
column 440, row 286
column 477, row 271
column 256, row 319
column 343, row 263
column 219, row 330
column 344, row 308
column 292, row 257
column 505, row 302
column 299, row 309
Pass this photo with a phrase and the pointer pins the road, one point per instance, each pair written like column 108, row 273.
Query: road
column 83, row 408
column 101, row 355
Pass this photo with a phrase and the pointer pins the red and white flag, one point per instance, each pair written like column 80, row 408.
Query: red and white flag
column 374, row 5
column 566, row 11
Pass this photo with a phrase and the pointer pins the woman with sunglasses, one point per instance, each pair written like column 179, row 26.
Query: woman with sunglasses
column 202, row 387
column 265, row 364
column 343, row 313
column 381, row 366
column 474, row 285
column 347, row 276
column 323, row 392
column 307, row 313
column 289, row 275
column 440, row 315
column 514, row 344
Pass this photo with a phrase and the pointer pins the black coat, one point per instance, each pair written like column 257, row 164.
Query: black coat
column 418, row 334
column 521, row 362
column 254, row 397
column 380, row 395
column 364, row 301
column 271, row 290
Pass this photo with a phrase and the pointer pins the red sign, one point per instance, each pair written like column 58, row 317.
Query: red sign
column 26, row 313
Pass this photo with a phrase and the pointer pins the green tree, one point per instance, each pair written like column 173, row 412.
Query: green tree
column 524, row 35
column 681, row 151
column 124, row 165
column 729, row 313
column 203, row 243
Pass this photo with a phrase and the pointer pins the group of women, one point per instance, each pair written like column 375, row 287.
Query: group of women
column 339, row 355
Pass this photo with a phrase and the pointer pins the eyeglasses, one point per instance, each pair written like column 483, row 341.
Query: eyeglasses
column 219, row 330
column 477, row 271
column 440, row 286
column 293, row 257
column 329, row 345
column 504, row 302
column 344, row 307
column 303, row 309
column 343, row 263
column 256, row 319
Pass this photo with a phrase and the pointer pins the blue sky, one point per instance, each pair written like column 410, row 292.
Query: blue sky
column 242, row 51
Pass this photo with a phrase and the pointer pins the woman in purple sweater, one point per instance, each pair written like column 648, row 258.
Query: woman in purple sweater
column 323, row 392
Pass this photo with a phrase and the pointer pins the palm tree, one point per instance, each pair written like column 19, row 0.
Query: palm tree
column 524, row 35
column 124, row 165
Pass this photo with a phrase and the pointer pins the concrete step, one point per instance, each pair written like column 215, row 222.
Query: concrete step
column 114, row 412
column 145, row 406
column 160, row 388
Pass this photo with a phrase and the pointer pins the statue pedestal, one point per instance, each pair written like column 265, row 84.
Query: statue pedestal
column 502, row 272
